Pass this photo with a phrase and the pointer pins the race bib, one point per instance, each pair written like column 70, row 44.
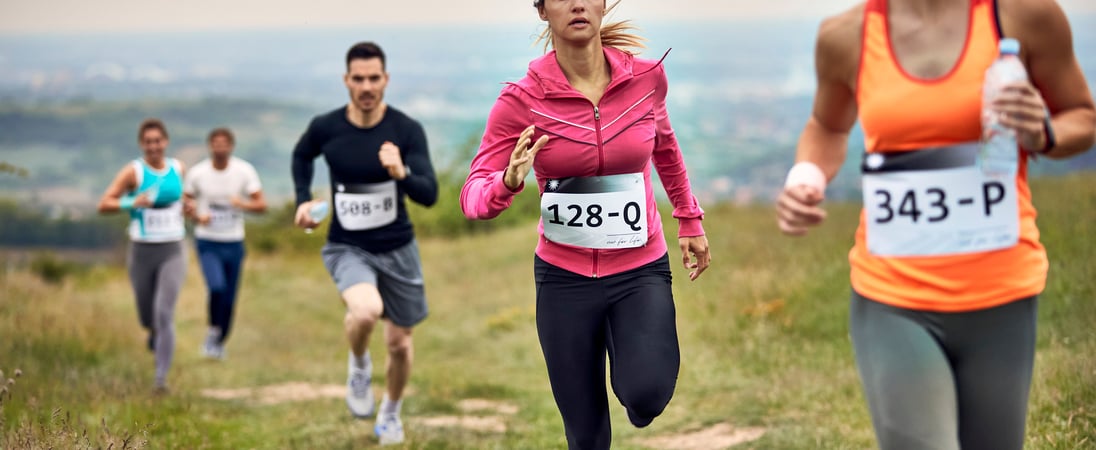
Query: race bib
column 937, row 202
column 166, row 221
column 223, row 217
column 596, row 212
column 365, row 206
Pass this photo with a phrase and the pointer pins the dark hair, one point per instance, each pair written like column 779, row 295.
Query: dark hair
column 365, row 50
column 222, row 132
column 151, row 124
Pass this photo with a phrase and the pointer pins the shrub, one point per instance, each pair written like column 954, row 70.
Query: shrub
column 52, row 269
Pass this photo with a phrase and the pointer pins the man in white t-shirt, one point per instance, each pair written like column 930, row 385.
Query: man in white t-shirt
column 223, row 187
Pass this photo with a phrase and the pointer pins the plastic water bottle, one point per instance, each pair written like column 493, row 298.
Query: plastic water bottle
column 153, row 192
column 317, row 213
column 1000, row 153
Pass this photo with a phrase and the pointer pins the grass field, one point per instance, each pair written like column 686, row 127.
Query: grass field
column 764, row 342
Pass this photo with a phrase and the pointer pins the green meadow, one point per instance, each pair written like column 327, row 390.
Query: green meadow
column 766, row 358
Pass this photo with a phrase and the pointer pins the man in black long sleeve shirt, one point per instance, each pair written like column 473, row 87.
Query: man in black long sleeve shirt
column 377, row 156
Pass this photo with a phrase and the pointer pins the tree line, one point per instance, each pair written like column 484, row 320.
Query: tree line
column 22, row 226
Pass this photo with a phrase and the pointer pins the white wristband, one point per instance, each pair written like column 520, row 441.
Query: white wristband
column 808, row 174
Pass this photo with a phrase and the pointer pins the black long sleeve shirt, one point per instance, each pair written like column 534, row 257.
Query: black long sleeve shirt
column 351, row 154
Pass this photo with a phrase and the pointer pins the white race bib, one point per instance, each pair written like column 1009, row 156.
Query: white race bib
column 365, row 206
column 596, row 212
column 163, row 222
column 223, row 217
column 937, row 202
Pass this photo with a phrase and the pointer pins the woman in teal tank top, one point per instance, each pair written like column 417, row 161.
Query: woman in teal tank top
column 162, row 220
column 150, row 189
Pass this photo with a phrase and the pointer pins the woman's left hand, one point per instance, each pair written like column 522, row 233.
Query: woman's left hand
column 697, row 247
column 189, row 207
column 1020, row 107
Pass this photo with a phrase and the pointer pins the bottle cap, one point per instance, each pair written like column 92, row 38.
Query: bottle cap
column 1009, row 46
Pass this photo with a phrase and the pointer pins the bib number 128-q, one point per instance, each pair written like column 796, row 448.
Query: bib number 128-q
column 596, row 212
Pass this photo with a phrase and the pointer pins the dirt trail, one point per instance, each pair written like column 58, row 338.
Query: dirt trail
column 476, row 414
column 715, row 437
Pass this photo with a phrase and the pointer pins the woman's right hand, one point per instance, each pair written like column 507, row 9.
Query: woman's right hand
column 142, row 201
column 521, row 160
column 797, row 209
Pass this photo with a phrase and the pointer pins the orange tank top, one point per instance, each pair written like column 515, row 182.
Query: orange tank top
column 900, row 112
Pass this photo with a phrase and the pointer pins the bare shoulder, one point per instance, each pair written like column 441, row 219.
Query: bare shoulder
column 128, row 173
column 843, row 26
column 837, row 49
column 1046, row 46
column 1029, row 12
column 1030, row 20
column 124, row 180
column 1046, row 41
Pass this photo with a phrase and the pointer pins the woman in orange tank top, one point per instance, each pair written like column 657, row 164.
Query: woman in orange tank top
column 942, row 311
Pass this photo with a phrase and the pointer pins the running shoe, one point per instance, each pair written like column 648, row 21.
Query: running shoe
column 160, row 388
column 217, row 352
column 212, row 343
column 359, row 389
column 389, row 429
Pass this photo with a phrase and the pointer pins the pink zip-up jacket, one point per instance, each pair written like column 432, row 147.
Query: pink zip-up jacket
column 627, row 131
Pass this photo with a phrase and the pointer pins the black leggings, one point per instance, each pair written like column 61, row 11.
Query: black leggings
column 629, row 315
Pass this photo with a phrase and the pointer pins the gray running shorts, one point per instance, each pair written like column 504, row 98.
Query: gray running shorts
column 396, row 274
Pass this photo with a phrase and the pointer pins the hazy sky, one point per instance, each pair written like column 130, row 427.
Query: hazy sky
column 17, row 16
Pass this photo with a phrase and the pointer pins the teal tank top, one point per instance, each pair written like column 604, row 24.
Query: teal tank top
column 163, row 222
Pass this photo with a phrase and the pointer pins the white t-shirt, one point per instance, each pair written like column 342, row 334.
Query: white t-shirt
column 213, row 189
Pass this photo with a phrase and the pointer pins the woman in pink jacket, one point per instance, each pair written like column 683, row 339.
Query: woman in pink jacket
column 601, row 267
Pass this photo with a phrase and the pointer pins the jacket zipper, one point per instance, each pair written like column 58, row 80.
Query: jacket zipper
column 600, row 163
column 597, row 130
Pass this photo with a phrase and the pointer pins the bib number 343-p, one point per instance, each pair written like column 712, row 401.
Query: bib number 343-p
column 596, row 212
column 939, row 212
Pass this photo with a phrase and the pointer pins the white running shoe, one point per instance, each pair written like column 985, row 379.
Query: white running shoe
column 389, row 429
column 359, row 389
column 212, row 346
column 217, row 352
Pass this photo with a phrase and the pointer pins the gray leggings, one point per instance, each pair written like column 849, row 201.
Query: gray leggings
column 945, row 380
column 157, row 271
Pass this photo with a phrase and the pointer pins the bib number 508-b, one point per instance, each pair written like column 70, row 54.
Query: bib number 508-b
column 365, row 206
column 358, row 207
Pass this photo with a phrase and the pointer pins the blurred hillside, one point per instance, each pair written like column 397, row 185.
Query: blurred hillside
column 69, row 105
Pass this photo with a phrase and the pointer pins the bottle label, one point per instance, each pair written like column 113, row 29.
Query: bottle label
column 936, row 202
column 365, row 206
column 596, row 212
